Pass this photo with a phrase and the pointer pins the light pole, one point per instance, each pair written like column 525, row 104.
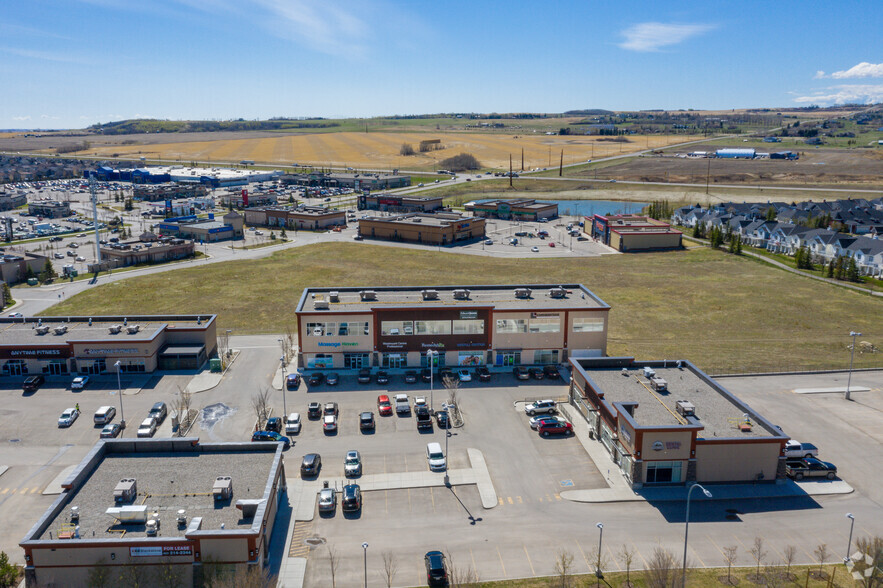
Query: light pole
column 852, row 334
column 365, row 549
column 687, row 529
column 284, row 404
column 120, row 390
column 851, row 518
column 600, row 539
column 430, row 354
column 447, row 408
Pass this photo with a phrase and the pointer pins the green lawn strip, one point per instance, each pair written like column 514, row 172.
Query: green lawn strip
column 724, row 312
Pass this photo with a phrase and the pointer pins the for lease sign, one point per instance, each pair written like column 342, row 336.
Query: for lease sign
column 160, row 550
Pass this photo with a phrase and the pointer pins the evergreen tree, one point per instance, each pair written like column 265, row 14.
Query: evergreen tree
column 738, row 245
column 29, row 273
column 798, row 261
column 282, row 233
column 7, row 294
column 831, row 269
column 838, row 268
column 48, row 272
column 770, row 214
column 852, row 271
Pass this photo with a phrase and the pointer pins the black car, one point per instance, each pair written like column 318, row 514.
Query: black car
column 292, row 381
column 426, row 375
column 410, row 377
column 521, row 373
column 442, row 417
column 274, row 424
column 332, row 379
column 484, row 374
column 436, row 570
column 364, row 376
column 552, row 372
column 311, row 465
column 366, row 421
column 536, row 373
column 447, row 373
column 33, row 383
column 351, row 499
column 316, row 378
column 314, row 410
column 382, row 377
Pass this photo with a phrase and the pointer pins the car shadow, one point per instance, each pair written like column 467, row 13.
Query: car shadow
column 368, row 431
column 426, row 431
column 352, row 514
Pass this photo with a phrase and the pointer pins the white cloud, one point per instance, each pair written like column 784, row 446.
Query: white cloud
column 862, row 70
column 819, row 75
column 843, row 94
column 322, row 26
column 652, row 36
column 26, row 117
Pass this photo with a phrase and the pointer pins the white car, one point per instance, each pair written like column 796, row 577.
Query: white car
column 464, row 375
column 535, row 249
column 147, row 427
column 488, row 241
column 419, row 401
column 15, row 315
column 292, row 424
column 68, row 417
column 258, row 232
column 79, row 382
column 330, row 424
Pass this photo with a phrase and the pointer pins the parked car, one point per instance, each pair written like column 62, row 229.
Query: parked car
column 436, row 569
column 555, row 428
column 352, row 464
column 410, row 377
column 273, row 424
column 314, row 410
column 332, row 379
column 810, row 467
column 293, row 424
column 441, row 416
column 542, row 419
column 366, row 421
column 79, row 382
column 147, row 428
column 535, row 249
column 536, row 373
column 797, row 449
column 33, row 383
column 292, row 381
column 159, row 412
column 426, row 375
column 16, row 315
column 327, row 500
column 464, row 375
column 552, row 372
column 420, row 401
column 351, row 501
column 104, row 415
column 484, row 374
column 402, row 404
column 68, row 417
column 311, row 465
column 364, row 376
column 316, row 378
column 330, row 423
column 384, row 407
column 382, row 377
column 521, row 372
column 330, row 408
column 271, row 436
column 540, row 406
column 110, row 431
column 435, row 457
column 424, row 418
column 447, row 373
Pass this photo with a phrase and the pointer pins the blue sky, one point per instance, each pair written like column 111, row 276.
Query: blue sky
column 71, row 63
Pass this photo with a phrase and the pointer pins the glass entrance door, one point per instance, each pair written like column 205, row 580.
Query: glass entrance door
column 57, row 368
column 15, row 367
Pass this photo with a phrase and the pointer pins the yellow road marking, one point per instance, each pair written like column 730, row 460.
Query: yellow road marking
column 540, row 498
column 500, row 555
column 638, row 551
column 472, row 555
column 532, row 572
column 5, row 490
column 519, row 499
column 502, row 502
column 432, row 497
column 409, row 499
column 613, row 558
column 716, row 545
column 697, row 557
column 557, row 496
column 580, row 547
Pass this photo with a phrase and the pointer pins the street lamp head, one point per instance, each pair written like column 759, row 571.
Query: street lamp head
column 849, row 515
column 854, row 334
column 364, row 545
column 117, row 364
column 600, row 525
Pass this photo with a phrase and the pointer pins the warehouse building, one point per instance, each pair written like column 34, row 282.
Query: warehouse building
column 390, row 203
column 143, row 251
column 205, row 230
column 49, row 209
column 666, row 422
column 155, row 193
column 92, row 345
column 519, row 210
column 137, row 510
column 736, row 153
column 631, row 233
column 357, row 182
column 501, row 326
column 313, row 218
column 443, row 228
column 14, row 266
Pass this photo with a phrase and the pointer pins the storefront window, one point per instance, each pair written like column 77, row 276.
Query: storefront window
column 433, row 327
column 321, row 361
column 546, row 356
column 397, row 328
column 438, row 359
column 470, row 358
column 352, row 329
column 545, row 325
column 15, row 367
column 394, row 360
column 588, row 325
column 468, row 327
column 508, row 358
column 133, row 366
column 356, row 360
column 321, row 329
column 511, row 326
column 663, row 472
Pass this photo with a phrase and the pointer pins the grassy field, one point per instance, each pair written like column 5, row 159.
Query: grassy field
column 723, row 312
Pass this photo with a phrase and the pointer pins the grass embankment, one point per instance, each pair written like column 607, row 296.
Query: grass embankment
column 723, row 312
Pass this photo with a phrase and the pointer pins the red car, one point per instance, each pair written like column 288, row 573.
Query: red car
column 555, row 428
column 552, row 244
column 384, row 407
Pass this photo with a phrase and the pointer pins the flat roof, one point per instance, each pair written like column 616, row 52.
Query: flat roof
column 423, row 219
column 166, row 482
column 716, row 409
column 23, row 331
column 307, row 211
column 530, row 204
column 501, row 297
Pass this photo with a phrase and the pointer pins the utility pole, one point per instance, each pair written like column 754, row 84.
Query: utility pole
column 94, row 195
column 522, row 159
column 510, row 168
column 561, row 164
column 707, row 175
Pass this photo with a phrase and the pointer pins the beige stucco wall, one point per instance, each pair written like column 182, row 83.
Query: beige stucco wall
column 668, row 453
column 736, row 461
column 224, row 550
column 310, row 344
column 645, row 241
column 117, row 575
column 591, row 340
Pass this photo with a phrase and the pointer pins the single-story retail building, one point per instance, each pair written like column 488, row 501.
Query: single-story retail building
column 388, row 202
column 396, row 327
column 49, row 209
column 442, row 228
column 191, row 227
column 14, row 266
column 142, row 508
column 300, row 218
column 666, row 422
column 634, row 232
column 357, row 182
column 92, row 345
column 143, row 251
column 519, row 210
column 156, row 192
column 245, row 199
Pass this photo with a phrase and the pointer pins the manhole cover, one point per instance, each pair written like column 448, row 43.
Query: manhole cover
column 15, row 440
column 314, row 541
column 213, row 413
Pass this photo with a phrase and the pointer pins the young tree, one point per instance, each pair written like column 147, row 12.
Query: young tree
column 627, row 557
column 660, row 572
column 333, row 561
column 822, row 555
column 406, row 149
column 48, row 272
column 758, row 554
column 790, row 554
column 831, row 269
column 7, row 295
column 730, row 554
column 8, row 571
column 868, row 570
column 261, row 404
column 390, row 567
column 282, row 234
column 169, row 575
column 852, row 271
column 564, row 567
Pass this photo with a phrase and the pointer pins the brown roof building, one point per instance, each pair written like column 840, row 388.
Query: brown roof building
column 443, row 228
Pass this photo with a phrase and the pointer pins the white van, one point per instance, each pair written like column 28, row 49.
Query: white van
column 104, row 415
column 435, row 457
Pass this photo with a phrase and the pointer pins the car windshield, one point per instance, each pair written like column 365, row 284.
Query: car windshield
column 352, row 460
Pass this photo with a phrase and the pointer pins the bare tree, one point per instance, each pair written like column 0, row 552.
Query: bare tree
column 390, row 567
column 790, row 554
column 868, row 569
column 453, row 387
column 822, row 555
column 660, row 572
column 261, row 404
column 730, row 554
column 181, row 405
column 564, row 567
column 460, row 576
column 169, row 575
column 627, row 557
column 224, row 344
column 288, row 342
column 758, row 554
column 600, row 563
column 406, row 149
column 246, row 576
column 99, row 575
column 772, row 575
column 134, row 576
column 333, row 562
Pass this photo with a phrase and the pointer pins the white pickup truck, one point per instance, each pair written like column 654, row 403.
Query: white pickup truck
column 402, row 405
column 797, row 449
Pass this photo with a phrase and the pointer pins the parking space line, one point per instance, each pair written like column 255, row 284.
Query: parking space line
column 613, row 558
column 518, row 498
column 716, row 545
column 502, row 502
column 409, row 501
column 386, row 500
column 35, row 490
column 5, row 490
column 432, row 497
column 557, row 496
column 697, row 557
column 583, row 553
column 530, row 563
column 638, row 551
column 808, row 554
column 509, row 498
column 472, row 555
column 500, row 555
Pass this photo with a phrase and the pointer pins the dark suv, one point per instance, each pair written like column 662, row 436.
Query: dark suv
column 33, row 383
column 484, row 374
column 311, row 465
column 436, row 570
column 314, row 410
column 352, row 498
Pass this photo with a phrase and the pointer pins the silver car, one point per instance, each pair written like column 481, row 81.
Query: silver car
column 352, row 464
column 327, row 500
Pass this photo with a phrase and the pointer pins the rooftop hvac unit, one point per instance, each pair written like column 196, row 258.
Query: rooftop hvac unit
column 429, row 294
column 523, row 293
column 126, row 490
column 368, row 295
column 649, row 372
column 42, row 330
column 223, row 488
column 320, row 305
column 133, row 329
column 182, row 517
column 115, row 329
column 152, row 527
column 685, row 408
column 129, row 515
column 461, row 294
column 61, row 330
column 658, row 384
column 334, row 296
column 558, row 293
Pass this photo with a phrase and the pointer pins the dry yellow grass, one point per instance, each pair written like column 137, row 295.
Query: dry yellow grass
column 381, row 150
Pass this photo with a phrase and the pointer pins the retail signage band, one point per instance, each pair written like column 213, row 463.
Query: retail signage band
column 160, row 550
column 659, row 445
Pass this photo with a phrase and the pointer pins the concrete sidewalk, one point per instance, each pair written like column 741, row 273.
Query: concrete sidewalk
column 207, row 379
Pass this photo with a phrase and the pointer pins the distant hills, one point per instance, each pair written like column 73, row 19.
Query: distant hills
column 141, row 126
